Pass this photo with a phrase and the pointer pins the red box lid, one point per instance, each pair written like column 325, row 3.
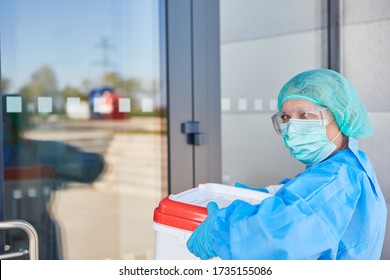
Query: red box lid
column 179, row 214
column 187, row 210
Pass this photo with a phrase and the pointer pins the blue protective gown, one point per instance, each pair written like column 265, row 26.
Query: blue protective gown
column 333, row 210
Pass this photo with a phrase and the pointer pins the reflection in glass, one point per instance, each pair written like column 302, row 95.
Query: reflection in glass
column 84, row 127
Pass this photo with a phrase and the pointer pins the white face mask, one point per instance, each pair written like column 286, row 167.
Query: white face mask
column 307, row 140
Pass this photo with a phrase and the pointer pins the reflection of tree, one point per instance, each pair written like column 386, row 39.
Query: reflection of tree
column 70, row 91
column 43, row 83
column 125, row 87
column 85, row 84
column 45, row 80
column 4, row 85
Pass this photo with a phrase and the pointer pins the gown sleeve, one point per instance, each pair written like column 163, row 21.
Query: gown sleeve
column 304, row 220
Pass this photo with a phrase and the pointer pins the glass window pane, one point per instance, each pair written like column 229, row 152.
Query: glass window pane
column 84, row 137
column 263, row 44
column 367, row 25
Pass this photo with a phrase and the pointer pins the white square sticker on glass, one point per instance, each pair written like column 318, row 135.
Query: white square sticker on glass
column 225, row 104
column 147, row 105
column 258, row 104
column 72, row 104
column 14, row 104
column 97, row 104
column 124, row 105
column 102, row 106
column 242, row 104
column 273, row 104
column 45, row 104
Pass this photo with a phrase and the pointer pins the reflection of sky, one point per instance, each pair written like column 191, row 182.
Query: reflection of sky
column 65, row 35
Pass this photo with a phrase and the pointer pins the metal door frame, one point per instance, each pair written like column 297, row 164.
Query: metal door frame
column 191, row 55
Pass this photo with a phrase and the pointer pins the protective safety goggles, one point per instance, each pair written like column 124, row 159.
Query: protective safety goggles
column 283, row 117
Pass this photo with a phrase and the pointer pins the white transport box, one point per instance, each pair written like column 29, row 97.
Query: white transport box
column 178, row 215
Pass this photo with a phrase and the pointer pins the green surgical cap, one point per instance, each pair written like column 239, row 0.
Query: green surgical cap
column 324, row 87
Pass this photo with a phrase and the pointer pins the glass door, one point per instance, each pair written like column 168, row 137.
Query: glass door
column 263, row 44
column 84, row 125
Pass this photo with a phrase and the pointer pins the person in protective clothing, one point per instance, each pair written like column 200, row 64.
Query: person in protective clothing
column 333, row 210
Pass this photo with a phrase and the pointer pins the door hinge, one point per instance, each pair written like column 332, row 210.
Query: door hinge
column 194, row 136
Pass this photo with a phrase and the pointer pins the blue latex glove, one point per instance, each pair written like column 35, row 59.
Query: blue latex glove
column 200, row 243
column 239, row 185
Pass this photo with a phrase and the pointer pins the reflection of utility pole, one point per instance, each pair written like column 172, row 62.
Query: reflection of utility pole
column 106, row 47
